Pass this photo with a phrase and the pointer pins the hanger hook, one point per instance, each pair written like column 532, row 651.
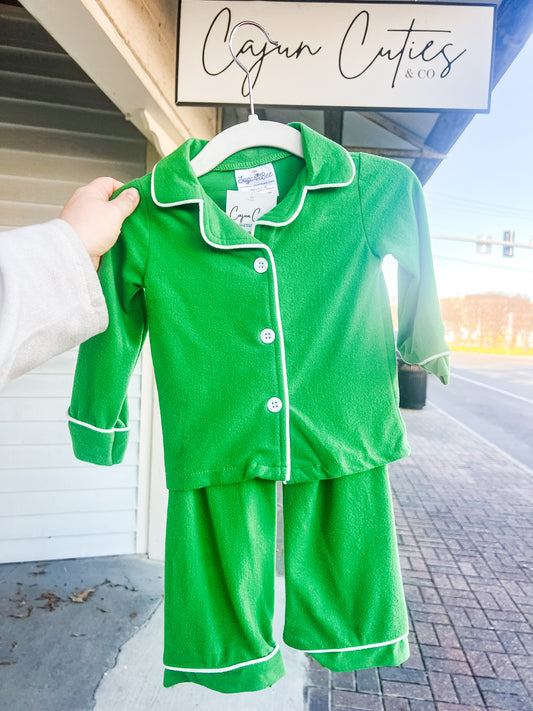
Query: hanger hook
column 241, row 65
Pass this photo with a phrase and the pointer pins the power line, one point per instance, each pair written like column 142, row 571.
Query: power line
column 482, row 264
column 479, row 207
column 453, row 200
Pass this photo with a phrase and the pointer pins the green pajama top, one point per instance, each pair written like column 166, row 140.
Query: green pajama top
column 274, row 351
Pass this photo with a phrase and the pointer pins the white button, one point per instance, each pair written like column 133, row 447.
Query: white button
column 274, row 404
column 267, row 335
column 260, row 265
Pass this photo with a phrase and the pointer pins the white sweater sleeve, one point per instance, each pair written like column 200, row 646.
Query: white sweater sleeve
column 50, row 296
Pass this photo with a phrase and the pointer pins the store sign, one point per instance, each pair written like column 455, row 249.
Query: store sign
column 347, row 54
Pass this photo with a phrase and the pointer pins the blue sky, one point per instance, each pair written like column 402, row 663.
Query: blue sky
column 483, row 187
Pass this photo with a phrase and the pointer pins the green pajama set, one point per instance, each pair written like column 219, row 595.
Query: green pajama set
column 275, row 361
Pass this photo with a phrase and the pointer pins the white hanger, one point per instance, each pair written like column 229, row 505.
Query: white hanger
column 249, row 133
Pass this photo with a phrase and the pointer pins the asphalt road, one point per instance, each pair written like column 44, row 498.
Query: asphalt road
column 492, row 395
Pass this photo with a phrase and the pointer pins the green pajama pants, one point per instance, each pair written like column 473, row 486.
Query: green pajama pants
column 344, row 596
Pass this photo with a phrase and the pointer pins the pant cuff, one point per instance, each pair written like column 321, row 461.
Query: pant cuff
column 340, row 660
column 231, row 680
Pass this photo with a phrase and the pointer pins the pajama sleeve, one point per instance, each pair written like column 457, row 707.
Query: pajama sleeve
column 98, row 413
column 395, row 222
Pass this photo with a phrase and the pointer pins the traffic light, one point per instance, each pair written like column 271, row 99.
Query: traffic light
column 483, row 244
column 508, row 236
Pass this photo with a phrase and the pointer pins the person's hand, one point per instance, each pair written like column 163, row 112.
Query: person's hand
column 96, row 218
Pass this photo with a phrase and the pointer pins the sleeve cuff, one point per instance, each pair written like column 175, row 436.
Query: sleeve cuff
column 438, row 365
column 98, row 446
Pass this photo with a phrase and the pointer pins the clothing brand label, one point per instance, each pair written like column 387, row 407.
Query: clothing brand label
column 261, row 179
column 245, row 208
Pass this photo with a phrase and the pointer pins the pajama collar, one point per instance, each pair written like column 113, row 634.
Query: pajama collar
column 174, row 183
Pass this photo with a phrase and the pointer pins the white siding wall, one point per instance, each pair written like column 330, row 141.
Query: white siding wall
column 57, row 131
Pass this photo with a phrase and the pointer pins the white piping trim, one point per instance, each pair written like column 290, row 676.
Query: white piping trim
column 225, row 669
column 97, row 429
column 434, row 357
column 354, row 649
column 274, row 224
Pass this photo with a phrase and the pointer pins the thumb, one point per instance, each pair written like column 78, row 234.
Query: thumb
column 127, row 201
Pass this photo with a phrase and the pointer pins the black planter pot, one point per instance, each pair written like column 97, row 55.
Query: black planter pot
column 412, row 382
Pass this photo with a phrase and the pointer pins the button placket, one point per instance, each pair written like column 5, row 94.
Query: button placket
column 267, row 336
column 261, row 265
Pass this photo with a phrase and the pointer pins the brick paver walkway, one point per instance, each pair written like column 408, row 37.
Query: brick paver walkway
column 464, row 515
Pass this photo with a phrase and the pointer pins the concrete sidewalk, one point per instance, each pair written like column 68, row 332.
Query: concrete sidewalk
column 465, row 524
